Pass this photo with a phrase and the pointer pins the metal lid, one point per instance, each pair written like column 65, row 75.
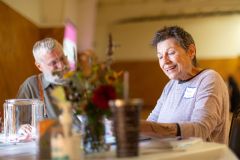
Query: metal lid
column 23, row 101
column 124, row 102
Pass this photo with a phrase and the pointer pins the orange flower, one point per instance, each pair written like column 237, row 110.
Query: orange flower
column 113, row 77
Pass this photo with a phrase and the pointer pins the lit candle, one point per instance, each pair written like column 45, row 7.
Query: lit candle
column 125, row 85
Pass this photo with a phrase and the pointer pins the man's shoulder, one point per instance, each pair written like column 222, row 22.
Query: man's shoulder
column 32, row 80
column 28, row 88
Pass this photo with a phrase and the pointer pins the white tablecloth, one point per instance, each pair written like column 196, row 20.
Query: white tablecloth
column 149, row 150
column 175, row 150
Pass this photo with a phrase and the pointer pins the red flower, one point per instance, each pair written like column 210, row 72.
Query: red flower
column 102, row 95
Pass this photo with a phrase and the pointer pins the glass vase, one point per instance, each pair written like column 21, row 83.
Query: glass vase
column 94, row 134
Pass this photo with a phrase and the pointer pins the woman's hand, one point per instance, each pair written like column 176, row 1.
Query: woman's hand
column 155, row 129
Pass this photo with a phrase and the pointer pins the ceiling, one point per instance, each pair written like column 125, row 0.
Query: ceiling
column 160, row 9
column 50, row 13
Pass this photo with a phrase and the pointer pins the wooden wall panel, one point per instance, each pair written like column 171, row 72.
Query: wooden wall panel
column 56, row 33
column 17, row 36
column 225, row 67
column 146, row 81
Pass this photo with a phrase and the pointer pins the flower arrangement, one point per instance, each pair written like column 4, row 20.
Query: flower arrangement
column 92, row 85
column 88, row 89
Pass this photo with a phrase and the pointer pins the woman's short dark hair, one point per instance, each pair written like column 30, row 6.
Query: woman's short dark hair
column 183, row 38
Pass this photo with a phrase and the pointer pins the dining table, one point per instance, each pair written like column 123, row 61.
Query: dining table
column 149, row 149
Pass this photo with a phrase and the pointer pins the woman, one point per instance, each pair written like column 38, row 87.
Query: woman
column 194, row 103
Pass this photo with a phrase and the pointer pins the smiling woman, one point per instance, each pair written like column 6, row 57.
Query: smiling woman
column 175, row 61
column 195, row 102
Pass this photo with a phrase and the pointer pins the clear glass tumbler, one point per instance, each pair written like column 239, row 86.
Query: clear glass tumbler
column 21, row 118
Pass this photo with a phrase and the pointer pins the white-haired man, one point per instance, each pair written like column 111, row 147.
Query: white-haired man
column 49, row 58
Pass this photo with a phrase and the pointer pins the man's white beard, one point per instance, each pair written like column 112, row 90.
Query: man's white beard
column 54, row 79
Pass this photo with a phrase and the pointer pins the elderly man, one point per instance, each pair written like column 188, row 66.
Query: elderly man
column 195, row 102
column 49, row 58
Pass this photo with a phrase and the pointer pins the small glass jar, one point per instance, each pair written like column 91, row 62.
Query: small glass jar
column 21, row 115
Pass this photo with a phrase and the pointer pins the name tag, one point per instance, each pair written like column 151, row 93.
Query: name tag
column 189, row 93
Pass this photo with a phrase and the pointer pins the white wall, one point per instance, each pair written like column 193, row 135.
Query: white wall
column 215, row 37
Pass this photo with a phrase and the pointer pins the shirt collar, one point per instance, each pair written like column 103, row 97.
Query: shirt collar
column 183, row 81
column 45, row 83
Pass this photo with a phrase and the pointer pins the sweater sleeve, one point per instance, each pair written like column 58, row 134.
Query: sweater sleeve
column 155, row 112
column 209, row 112
column 153, row 116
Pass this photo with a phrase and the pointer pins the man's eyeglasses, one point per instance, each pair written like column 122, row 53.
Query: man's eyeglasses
column 54, row 63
